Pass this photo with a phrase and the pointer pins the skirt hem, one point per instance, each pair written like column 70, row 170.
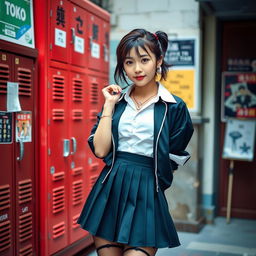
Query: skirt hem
column 137, row 244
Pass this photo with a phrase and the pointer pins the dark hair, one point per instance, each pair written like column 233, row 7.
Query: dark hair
column 157, row 43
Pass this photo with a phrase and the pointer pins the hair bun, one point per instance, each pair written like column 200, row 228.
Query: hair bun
column 163, row 40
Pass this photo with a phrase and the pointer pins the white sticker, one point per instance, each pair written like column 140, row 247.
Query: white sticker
column 95, row 51
column 60, row 37
column 79, row 44
column 13, row 102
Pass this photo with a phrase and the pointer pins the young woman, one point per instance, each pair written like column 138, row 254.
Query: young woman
column 141, row 134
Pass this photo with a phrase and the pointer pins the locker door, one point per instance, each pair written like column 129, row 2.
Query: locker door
column 78, row 178
column 79, row 34
column 94, row 105
column 95, row 43
column 58, row 153
column 105, row 47
column 59, row 30
column 25, row 167
column 7, row 190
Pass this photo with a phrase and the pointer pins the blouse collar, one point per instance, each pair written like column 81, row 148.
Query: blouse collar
column 162, row 92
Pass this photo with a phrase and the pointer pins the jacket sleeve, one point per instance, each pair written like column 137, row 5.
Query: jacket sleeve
column 94, row 128
column 180, row 135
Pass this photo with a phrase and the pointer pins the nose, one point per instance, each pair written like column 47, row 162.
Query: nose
column 137, row 68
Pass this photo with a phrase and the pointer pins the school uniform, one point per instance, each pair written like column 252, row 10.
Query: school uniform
column 127, row 203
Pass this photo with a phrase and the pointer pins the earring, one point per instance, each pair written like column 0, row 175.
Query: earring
column 159, row 70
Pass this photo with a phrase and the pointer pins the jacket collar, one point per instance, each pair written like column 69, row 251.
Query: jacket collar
column 163, row 93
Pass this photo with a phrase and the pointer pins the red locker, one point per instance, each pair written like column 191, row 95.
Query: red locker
column 59, row 30
column 18, row 180
column 95, row 51
column 105, row 47
column 79, row 34
column 70, row 98
column 7, row 190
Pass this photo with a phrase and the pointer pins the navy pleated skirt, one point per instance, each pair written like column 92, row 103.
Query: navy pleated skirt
column 126, row 208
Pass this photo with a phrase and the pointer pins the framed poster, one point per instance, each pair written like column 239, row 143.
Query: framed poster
column 238, row 95
column 24, row 126
column 183, row 75
column 16, row 22
column 239, row 140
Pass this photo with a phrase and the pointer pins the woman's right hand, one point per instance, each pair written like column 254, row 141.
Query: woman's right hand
column 112, row 93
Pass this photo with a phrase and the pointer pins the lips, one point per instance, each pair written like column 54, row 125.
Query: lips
column 139, row 78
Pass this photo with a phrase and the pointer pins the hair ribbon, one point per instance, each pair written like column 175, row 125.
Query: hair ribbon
column 155, row 35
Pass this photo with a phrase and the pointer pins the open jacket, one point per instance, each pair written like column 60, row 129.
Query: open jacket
column 172, row 132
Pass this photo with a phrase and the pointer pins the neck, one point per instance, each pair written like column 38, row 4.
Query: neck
column 143, row 91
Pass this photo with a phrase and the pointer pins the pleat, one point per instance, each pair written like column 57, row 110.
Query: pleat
column 127, row 209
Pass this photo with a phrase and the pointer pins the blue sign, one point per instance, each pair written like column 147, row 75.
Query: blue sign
column 181, row 53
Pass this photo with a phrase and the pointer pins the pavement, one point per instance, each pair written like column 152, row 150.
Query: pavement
column 218, row 239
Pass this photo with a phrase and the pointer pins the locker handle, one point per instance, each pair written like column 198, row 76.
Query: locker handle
column 90, row 42
column 19, row 158
column 74, row 145
column 73, row 35
column 66, row 147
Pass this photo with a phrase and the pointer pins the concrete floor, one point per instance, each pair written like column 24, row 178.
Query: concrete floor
column 219, row 239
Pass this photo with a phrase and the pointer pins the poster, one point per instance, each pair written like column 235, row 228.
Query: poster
column 24, row 126
column 5, row 127
column 183, row 76
column 16, row 22
column 239, row 140
column 182, row 84
column 238, row 95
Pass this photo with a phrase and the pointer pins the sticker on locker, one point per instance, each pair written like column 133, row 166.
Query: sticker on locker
column 60, row 37
column 79, row 44
column 95, row 51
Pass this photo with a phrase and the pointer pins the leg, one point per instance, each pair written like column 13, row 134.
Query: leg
column 139, row 251
column 107, row 248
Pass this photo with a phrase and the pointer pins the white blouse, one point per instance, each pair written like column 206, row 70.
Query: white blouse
column 136, row 128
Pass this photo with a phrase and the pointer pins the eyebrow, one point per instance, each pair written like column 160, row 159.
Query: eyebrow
column 141, row 56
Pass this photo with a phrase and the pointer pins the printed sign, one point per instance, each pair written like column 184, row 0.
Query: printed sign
column 242, row 65
column 239, row 95
column 239, row 140
column 5, row 128
column 16, row 22
column 79, row 44
column 24, row 126
column 181, row 52
column 13, row 102
column 95, row 51
column 60, row 37
column 181, row 83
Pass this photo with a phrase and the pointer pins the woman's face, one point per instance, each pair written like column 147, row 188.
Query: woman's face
column 141, row 69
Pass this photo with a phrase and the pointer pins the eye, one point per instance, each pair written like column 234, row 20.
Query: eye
column 145, row 60
column 128, row 62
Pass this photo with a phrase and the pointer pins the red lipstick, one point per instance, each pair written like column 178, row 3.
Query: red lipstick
column 139, row 78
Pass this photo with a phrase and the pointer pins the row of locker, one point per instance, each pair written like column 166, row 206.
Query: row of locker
column 78, row 36
column 45, row 179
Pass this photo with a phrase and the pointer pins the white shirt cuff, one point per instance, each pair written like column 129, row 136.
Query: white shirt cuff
column 180, row 160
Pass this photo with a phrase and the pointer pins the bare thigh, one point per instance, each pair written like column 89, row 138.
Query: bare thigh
column 109, row 251
column 150, row 250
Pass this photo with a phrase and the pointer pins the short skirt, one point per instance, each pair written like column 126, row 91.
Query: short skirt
column 126, row 208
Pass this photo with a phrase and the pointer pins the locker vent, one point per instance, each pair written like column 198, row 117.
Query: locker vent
column 77, row 114
column 25, row 81
column 77, row 192
column 74, row 222
column 94, row 167
column 58, row 114
column 4, row 77
column 58, row 176
column 25, row 191
column 94, row 96
column 58, row 88
column 58, row 230
column 77, row 171
column 93, row 115
column 93, row 180
column 25, row 227
column 58, row 202
column 5, row 235
column 77, row 90
column 26, row 251
column 5, row 197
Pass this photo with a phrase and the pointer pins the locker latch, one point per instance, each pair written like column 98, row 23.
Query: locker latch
column 19, row 158
column 66, row 147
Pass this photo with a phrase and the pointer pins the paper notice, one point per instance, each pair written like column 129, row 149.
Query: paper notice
column 95, row 51
column 13, row 102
